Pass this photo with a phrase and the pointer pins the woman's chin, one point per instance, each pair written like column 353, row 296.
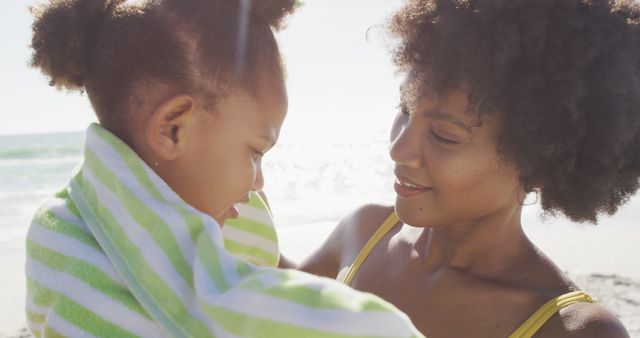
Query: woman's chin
column 412, row 214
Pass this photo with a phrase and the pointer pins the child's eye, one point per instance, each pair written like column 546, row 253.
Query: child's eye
column 256, row 154
column 443, row 139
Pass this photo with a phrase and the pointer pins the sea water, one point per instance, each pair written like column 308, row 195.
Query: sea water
column 32, row 167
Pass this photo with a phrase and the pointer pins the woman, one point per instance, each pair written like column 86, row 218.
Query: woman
column 502, row 99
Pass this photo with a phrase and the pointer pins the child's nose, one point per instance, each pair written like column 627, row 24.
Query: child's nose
column 258, row 182
column 405, row 148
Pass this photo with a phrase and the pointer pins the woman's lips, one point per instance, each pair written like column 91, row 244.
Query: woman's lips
column 408, row 189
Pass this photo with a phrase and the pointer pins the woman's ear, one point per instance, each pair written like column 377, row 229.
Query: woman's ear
column 168, row 127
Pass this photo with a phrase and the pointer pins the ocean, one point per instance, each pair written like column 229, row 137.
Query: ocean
column 32, row 167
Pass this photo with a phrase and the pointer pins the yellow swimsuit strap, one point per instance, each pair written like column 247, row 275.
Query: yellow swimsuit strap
column 546, row 311
column 388, row 224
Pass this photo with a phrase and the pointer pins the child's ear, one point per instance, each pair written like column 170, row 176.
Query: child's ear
column 168, row 126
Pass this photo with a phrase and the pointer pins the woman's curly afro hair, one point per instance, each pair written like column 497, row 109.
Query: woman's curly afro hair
column 564, row 74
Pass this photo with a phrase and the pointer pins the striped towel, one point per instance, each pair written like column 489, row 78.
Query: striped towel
column 252, row 236
column 119, row 254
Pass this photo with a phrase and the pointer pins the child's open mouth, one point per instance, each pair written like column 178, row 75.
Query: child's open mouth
column 233, row 212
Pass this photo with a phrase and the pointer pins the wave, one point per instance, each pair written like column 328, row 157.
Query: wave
column 41, row 152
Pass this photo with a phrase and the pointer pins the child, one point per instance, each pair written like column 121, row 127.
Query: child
column 190, row 95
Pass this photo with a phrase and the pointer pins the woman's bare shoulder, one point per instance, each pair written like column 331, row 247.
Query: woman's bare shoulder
column 364, row 221
column 358, row 226
column 585, row 320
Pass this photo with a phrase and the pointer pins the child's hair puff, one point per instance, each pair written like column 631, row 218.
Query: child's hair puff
column 118, row 52
column 62, row 38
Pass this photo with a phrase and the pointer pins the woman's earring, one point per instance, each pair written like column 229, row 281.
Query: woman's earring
column 156, row 163
column 528, row 200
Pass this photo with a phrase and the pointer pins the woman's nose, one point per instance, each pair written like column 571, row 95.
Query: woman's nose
column 405, row 148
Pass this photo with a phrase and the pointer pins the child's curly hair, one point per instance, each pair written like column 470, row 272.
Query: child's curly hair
column 564, row 74
column 115, row 50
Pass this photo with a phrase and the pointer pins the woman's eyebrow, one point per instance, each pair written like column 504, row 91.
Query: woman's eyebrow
column 436, row 114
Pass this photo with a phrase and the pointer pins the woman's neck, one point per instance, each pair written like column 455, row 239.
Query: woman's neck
column 483, row 248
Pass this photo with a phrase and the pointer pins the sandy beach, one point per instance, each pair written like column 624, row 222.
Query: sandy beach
column 618, row 292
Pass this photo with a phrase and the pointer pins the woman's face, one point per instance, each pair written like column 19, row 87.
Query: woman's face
column 448, row 171
column 224, row 157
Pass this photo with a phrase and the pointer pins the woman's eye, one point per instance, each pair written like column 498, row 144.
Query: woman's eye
column 443, row 139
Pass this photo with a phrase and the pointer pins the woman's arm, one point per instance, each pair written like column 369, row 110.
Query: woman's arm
column 286, row 263
column 346, row 241
column 587, row 320
column 325, row 261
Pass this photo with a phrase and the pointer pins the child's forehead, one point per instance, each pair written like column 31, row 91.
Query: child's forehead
column 264, row 107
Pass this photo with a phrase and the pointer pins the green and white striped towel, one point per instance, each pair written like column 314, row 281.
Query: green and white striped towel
column 252, row 236
column 119, row 254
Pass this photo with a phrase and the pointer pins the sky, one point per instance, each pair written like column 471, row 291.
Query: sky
column 337, row 61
